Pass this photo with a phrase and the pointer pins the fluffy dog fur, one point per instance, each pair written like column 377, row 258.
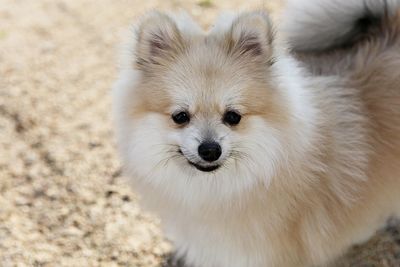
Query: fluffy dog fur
column 313, row 166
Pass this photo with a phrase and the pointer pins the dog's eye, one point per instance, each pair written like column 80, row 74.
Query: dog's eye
column 181, row 117
column 232, row 118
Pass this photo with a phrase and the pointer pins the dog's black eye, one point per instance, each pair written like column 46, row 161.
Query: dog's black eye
column 181, row 117
column 232, row 118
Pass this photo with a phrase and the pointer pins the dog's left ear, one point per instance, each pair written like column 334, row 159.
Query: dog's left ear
column 251, row 35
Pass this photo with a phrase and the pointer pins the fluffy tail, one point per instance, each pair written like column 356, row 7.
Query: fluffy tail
column 321, row 25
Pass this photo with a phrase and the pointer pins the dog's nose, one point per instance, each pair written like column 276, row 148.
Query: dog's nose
column 210, row 151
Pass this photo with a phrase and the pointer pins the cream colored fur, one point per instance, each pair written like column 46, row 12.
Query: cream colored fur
column 312, row 168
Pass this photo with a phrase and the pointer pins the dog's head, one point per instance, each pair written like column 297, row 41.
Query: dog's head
column 206, row 116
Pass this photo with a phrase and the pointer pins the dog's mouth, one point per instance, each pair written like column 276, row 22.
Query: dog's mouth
column 200, row 167
column 204, row 168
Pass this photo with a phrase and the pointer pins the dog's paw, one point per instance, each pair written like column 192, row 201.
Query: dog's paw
column 173, row 260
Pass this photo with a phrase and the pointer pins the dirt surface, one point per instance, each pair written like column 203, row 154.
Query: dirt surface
column 63, row 201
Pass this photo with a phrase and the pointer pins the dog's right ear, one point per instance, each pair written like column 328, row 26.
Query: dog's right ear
column 158, row 41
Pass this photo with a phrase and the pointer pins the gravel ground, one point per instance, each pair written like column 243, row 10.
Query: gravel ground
column 62, row 199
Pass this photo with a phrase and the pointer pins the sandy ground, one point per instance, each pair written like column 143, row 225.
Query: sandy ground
column 63, row 201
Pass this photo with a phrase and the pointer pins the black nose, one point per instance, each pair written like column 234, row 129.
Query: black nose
column 210, row 151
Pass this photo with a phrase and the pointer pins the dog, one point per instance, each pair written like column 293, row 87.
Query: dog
column 262, row 145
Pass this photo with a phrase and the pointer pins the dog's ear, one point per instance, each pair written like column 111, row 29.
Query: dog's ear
column 158, row 41
column 251, row 35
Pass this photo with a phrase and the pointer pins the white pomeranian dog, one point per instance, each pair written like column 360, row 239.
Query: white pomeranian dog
column 256, row 152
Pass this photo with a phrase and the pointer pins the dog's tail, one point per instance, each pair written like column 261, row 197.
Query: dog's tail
column 322, row 25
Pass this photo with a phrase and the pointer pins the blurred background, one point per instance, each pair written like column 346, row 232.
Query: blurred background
column 63, row 201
